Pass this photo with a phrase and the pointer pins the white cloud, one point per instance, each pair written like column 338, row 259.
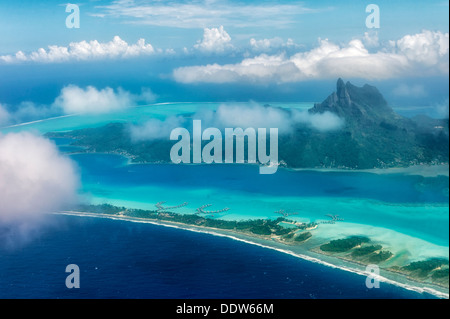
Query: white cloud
column 261, row 68
column 267, row 45
column 323, row 122
column 214, row 40
column 34, row 179
column 82, row 51
column 252, row 115
column 240, row 115
column 423, row 54
column 370, row 39
column 429, row 48
column 258, row 116
column 405, row 90
column 203, row 13
column 29, row 111
column 155, row 129
column 5, row 117
column 25, row 112
column 146, row 96
column 74, row 99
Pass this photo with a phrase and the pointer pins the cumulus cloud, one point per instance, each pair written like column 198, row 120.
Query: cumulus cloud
column 82, row 51
column 34, row 179
column 428, row 48
column 214, row 40
column 258, row 116
column 267, row 45
column 370, row 39
column 74, row 99
column 154, row 129
column 25, row 112
column 240, row 115
column 261, row 68
column 323, row 122
column 246, row 115
column 237, row 115
column 424, row 54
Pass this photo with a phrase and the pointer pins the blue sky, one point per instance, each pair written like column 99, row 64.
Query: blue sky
column 27, row 25
column 224, row 50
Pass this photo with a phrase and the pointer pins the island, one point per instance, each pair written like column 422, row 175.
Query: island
column 373, row 136
column 354, row 249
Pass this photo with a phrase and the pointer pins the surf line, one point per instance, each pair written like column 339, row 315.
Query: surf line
column 406, row 286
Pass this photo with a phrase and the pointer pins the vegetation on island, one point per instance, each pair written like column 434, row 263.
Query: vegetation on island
column 441, row 277
column 440, row 273
column 435, row 270
column 380, row 257
column 343, row 245
column 425, row 267
column 363, row 251
column 356, row 248
column 302, row 236
column 260, row 227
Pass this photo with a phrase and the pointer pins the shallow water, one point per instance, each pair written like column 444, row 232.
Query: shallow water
column 404, row 212
column 134, row 114
column 408, row 204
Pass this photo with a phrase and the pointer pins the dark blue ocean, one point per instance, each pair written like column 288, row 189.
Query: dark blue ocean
column 120, row 259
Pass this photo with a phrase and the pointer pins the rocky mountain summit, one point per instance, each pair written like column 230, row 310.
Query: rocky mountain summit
column 364, row 104
column 373, row 135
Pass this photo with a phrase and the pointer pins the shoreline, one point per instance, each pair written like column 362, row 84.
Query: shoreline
column 386, row 275
column 424, row 170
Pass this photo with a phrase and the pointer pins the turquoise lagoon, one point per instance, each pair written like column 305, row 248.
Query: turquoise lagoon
column 135, row 114
column 401, row 211
column 406, row 212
